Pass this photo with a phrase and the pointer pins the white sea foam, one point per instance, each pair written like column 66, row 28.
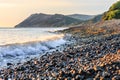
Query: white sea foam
column 16, row 45
column 17, row 52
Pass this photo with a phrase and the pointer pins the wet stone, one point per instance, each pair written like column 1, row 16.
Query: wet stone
column 105, row 74
column 9, row 64
column 116, row 78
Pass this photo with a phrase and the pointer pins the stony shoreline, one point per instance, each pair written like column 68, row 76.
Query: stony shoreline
column 88, row 58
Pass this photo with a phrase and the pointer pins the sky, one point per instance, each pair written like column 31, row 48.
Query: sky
column 13, row 12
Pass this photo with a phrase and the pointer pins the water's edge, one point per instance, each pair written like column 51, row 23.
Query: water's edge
column 20, row 52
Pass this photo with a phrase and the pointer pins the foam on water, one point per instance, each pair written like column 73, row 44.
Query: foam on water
column 10, row 53
column 31, row 44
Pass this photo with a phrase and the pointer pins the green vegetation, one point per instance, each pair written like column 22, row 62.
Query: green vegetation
column 113, row 12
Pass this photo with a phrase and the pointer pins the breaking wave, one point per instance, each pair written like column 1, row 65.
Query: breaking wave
column 18, row 52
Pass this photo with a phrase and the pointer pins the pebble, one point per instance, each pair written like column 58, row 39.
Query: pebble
column 118, row 52
column 116, row 78
column 105, row 74
column 97, row 68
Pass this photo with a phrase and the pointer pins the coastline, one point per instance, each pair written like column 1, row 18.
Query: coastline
column 93, row 57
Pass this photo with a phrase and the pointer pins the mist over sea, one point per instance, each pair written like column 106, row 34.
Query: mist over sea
column 17, row 44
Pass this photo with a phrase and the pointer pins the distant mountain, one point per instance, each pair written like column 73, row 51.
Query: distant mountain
column 45, row 20
column 96, row 18
column 82, row 16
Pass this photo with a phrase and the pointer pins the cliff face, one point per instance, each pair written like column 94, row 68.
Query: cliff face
column 44, row 20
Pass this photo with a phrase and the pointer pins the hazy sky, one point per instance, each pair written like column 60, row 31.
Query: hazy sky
column 13, row 12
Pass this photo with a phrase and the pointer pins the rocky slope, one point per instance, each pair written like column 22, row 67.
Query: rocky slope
column 45, row 20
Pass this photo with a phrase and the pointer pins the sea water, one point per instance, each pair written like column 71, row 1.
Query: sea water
column 17, row 44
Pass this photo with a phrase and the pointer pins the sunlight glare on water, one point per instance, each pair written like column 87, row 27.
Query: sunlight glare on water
column 23, row 35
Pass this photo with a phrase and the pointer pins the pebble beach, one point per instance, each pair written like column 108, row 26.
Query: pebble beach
column 86, row 58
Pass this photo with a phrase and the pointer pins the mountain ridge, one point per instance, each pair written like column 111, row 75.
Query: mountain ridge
column 47, row 20
column 51, row 20
column 83, row 17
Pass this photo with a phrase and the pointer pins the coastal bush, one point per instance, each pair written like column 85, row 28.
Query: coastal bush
column 113, row 12
column 115, row 6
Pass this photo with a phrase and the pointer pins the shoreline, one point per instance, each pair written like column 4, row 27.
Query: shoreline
column 86, row 58
column 46, row 47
